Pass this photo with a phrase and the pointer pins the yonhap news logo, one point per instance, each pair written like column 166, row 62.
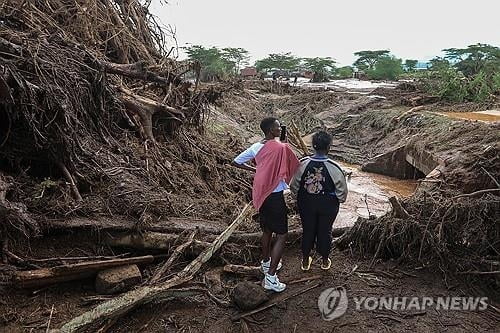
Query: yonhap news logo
column 333, row 303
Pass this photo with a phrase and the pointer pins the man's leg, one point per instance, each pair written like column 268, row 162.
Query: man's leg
column 277, row 252
column 266, row 239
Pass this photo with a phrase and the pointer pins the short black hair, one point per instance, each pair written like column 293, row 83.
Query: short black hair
column 267, row 123
column 321, row 140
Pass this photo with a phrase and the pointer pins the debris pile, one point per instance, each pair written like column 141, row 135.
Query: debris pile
column 96, row 119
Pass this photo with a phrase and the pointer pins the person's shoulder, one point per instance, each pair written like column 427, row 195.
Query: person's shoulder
column 305, row 160
column 333, row 163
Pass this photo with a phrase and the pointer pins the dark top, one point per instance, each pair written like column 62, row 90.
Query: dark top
column 316, row 180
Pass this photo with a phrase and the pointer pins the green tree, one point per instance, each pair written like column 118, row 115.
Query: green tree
column 386, row 68
column 281, row 61
column 410, row 65
column 343, row 72
column 237, row 56
column 322, row 67
column 367, row 59
column 439, row 63
column 475, row 58
column 214, row 65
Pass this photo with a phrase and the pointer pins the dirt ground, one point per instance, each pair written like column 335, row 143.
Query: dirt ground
column 25, row 312
column 235, row 123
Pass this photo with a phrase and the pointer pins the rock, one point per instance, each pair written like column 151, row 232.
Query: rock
column 117, row 279
column 248, row 295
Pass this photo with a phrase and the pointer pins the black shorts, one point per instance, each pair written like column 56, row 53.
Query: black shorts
column 273, row 214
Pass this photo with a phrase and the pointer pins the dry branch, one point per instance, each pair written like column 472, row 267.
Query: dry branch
column 177, row 252
column 126, row 302
column 45, row 276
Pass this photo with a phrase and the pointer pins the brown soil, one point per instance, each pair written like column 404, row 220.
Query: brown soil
column 22, row 311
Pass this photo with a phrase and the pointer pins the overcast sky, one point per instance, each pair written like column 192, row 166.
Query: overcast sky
column 337, row 29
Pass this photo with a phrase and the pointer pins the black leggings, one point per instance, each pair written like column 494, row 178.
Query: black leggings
column 317, row 212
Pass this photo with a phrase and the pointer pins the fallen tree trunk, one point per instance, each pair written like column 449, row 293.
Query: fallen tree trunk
column 152, row 241
column 171, row 225
column 126, row 302
column 45, row 276
column 161, row 241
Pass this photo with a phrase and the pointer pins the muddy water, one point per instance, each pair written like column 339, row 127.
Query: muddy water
column 369, row 194
column 486, row 116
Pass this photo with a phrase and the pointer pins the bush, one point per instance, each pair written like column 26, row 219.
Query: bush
column 386, row 68
column 451, row 85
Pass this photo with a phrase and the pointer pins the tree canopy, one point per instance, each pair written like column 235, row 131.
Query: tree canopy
column 282, row 61
column 475, row 58
column 367, row 59
column 322, row 67
column 386, row 68
column 217, row 63
column 410, row 65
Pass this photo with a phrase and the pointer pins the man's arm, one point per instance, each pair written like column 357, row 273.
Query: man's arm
column 243, row 166
column 241, row 160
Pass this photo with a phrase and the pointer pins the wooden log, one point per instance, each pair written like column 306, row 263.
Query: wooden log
column 253, row 271
column 128, row 301
column 173, row 225
column 162, row 241
column 152, row 241
column 177, row 252
column 45, row 276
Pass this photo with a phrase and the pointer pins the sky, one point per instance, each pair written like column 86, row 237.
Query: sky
column 336, row 28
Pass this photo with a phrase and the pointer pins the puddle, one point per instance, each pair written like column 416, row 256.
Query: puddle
column 369, row 193
column 486, row 116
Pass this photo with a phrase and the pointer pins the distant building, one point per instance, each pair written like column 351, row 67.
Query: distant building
column 308, row 74
column 249, row 72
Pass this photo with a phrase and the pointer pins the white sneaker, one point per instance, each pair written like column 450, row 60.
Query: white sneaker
column 271, row 282
column 265, row 265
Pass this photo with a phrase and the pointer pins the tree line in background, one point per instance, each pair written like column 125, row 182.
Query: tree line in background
column 468, row 74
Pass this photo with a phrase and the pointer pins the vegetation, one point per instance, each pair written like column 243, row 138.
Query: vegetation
column 367, row 59
column 321, row 67
column 386, row 68
column 217, row 63
column 280, row 61
column 343, row 72
column 470, row 74
column 410, row 65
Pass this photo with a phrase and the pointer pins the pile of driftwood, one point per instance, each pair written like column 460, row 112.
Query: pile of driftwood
column 96, row 119
column 455, row 233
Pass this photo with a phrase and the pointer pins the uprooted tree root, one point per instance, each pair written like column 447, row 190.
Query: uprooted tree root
column 95, row 119
column 459, row 234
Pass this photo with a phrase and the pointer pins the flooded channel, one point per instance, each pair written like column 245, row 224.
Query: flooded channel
column 369, row 194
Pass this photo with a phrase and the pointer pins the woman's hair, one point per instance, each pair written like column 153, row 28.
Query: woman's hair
column 266, row 124
column 321, row 140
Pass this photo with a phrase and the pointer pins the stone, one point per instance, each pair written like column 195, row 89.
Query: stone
column 248, row 295
column 117, row 279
